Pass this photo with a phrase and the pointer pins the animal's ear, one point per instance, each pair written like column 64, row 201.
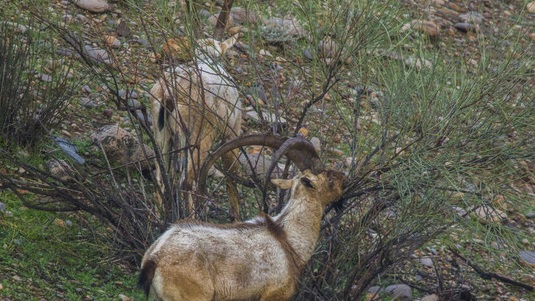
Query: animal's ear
column 228, row 43
column 282, row 183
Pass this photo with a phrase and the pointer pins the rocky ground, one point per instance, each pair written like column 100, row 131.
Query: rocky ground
column 454, row 29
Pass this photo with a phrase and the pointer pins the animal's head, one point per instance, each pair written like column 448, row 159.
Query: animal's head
column 326, row 186
column 212, row 48
column 312, row 180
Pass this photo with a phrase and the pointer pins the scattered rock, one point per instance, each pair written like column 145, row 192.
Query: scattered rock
column 97, row 55
column 17, row 27
column 373, row 293
column 125, row 298
column 270, row 118
column 460, row 211
column 487, row 214
column 527, row 258
column 2, row 207
column 177, row 48
column 466, row 27
column 328, row 48
column 418, row 63
column 335, row 151
column 44, row 77
column 112, row 41
column 121, row 146
column 457, row 7
column 399, row 291
column 432, row 297
column 259, row 162
column 80, row 18
column 264, row 52
column 59, row 222
column 425, row 26
column 530, row 214
column 472, row 17
column 88, row 102
column 123, row 30
column 307, row 53
column 60, row 169
column 241, row 15
column 94, row 6
column 281, row 30
column 531, row 7
column 212, row 20
column 125, row 94
column 316, row 142
column 426, row 261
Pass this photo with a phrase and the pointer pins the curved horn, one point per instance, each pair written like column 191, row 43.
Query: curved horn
column 298, row 150
column 301, row 152
column 269, row 140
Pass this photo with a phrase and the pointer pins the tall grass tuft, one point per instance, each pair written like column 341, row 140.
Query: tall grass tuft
column 35, row 85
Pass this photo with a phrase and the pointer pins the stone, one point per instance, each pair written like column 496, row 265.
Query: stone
column 460, row 211
column 60, row 169
column 242, row 15
column 15, row 26
column 527, row 258
column 425, row 26
column 59, row 222
column 316, row 142
column 426, row 261
column 177, row 48
column 487, row 214
column 97, row 55
column 122, row 147
column 472, row 17
column 112, row 41
column 418, row 63
column 128, row 94
column 466, row 27
column 457, row 8
column 328, row 48
column 2, row 207
column 125, row 298
column 531, row 7
column 212, row 20
column 281, row 30
column 253, row 115
column 123, row 30
column 88, row 102
column 94, row 6
column 432, row 297
column 399, row 291
column 44, row 77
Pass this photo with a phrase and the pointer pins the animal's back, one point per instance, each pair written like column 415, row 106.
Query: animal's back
column 196, row 253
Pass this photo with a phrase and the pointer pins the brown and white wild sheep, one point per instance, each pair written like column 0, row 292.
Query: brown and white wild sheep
column 194, row 106
column 260, row 259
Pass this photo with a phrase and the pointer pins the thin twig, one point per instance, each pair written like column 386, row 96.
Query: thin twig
column 489, row 275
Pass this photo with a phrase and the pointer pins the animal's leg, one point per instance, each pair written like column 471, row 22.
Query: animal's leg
column 231, row 164
column 185, row 287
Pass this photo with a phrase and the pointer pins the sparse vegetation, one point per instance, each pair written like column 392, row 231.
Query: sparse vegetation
column 433, row 126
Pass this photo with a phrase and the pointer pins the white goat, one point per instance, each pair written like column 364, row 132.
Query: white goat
column 260, row 259
column 193, row 107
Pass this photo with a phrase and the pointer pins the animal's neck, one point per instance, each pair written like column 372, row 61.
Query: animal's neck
column 301, row 222
column 211, row 66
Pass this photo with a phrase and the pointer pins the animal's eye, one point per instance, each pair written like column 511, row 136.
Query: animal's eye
column 307, row 182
